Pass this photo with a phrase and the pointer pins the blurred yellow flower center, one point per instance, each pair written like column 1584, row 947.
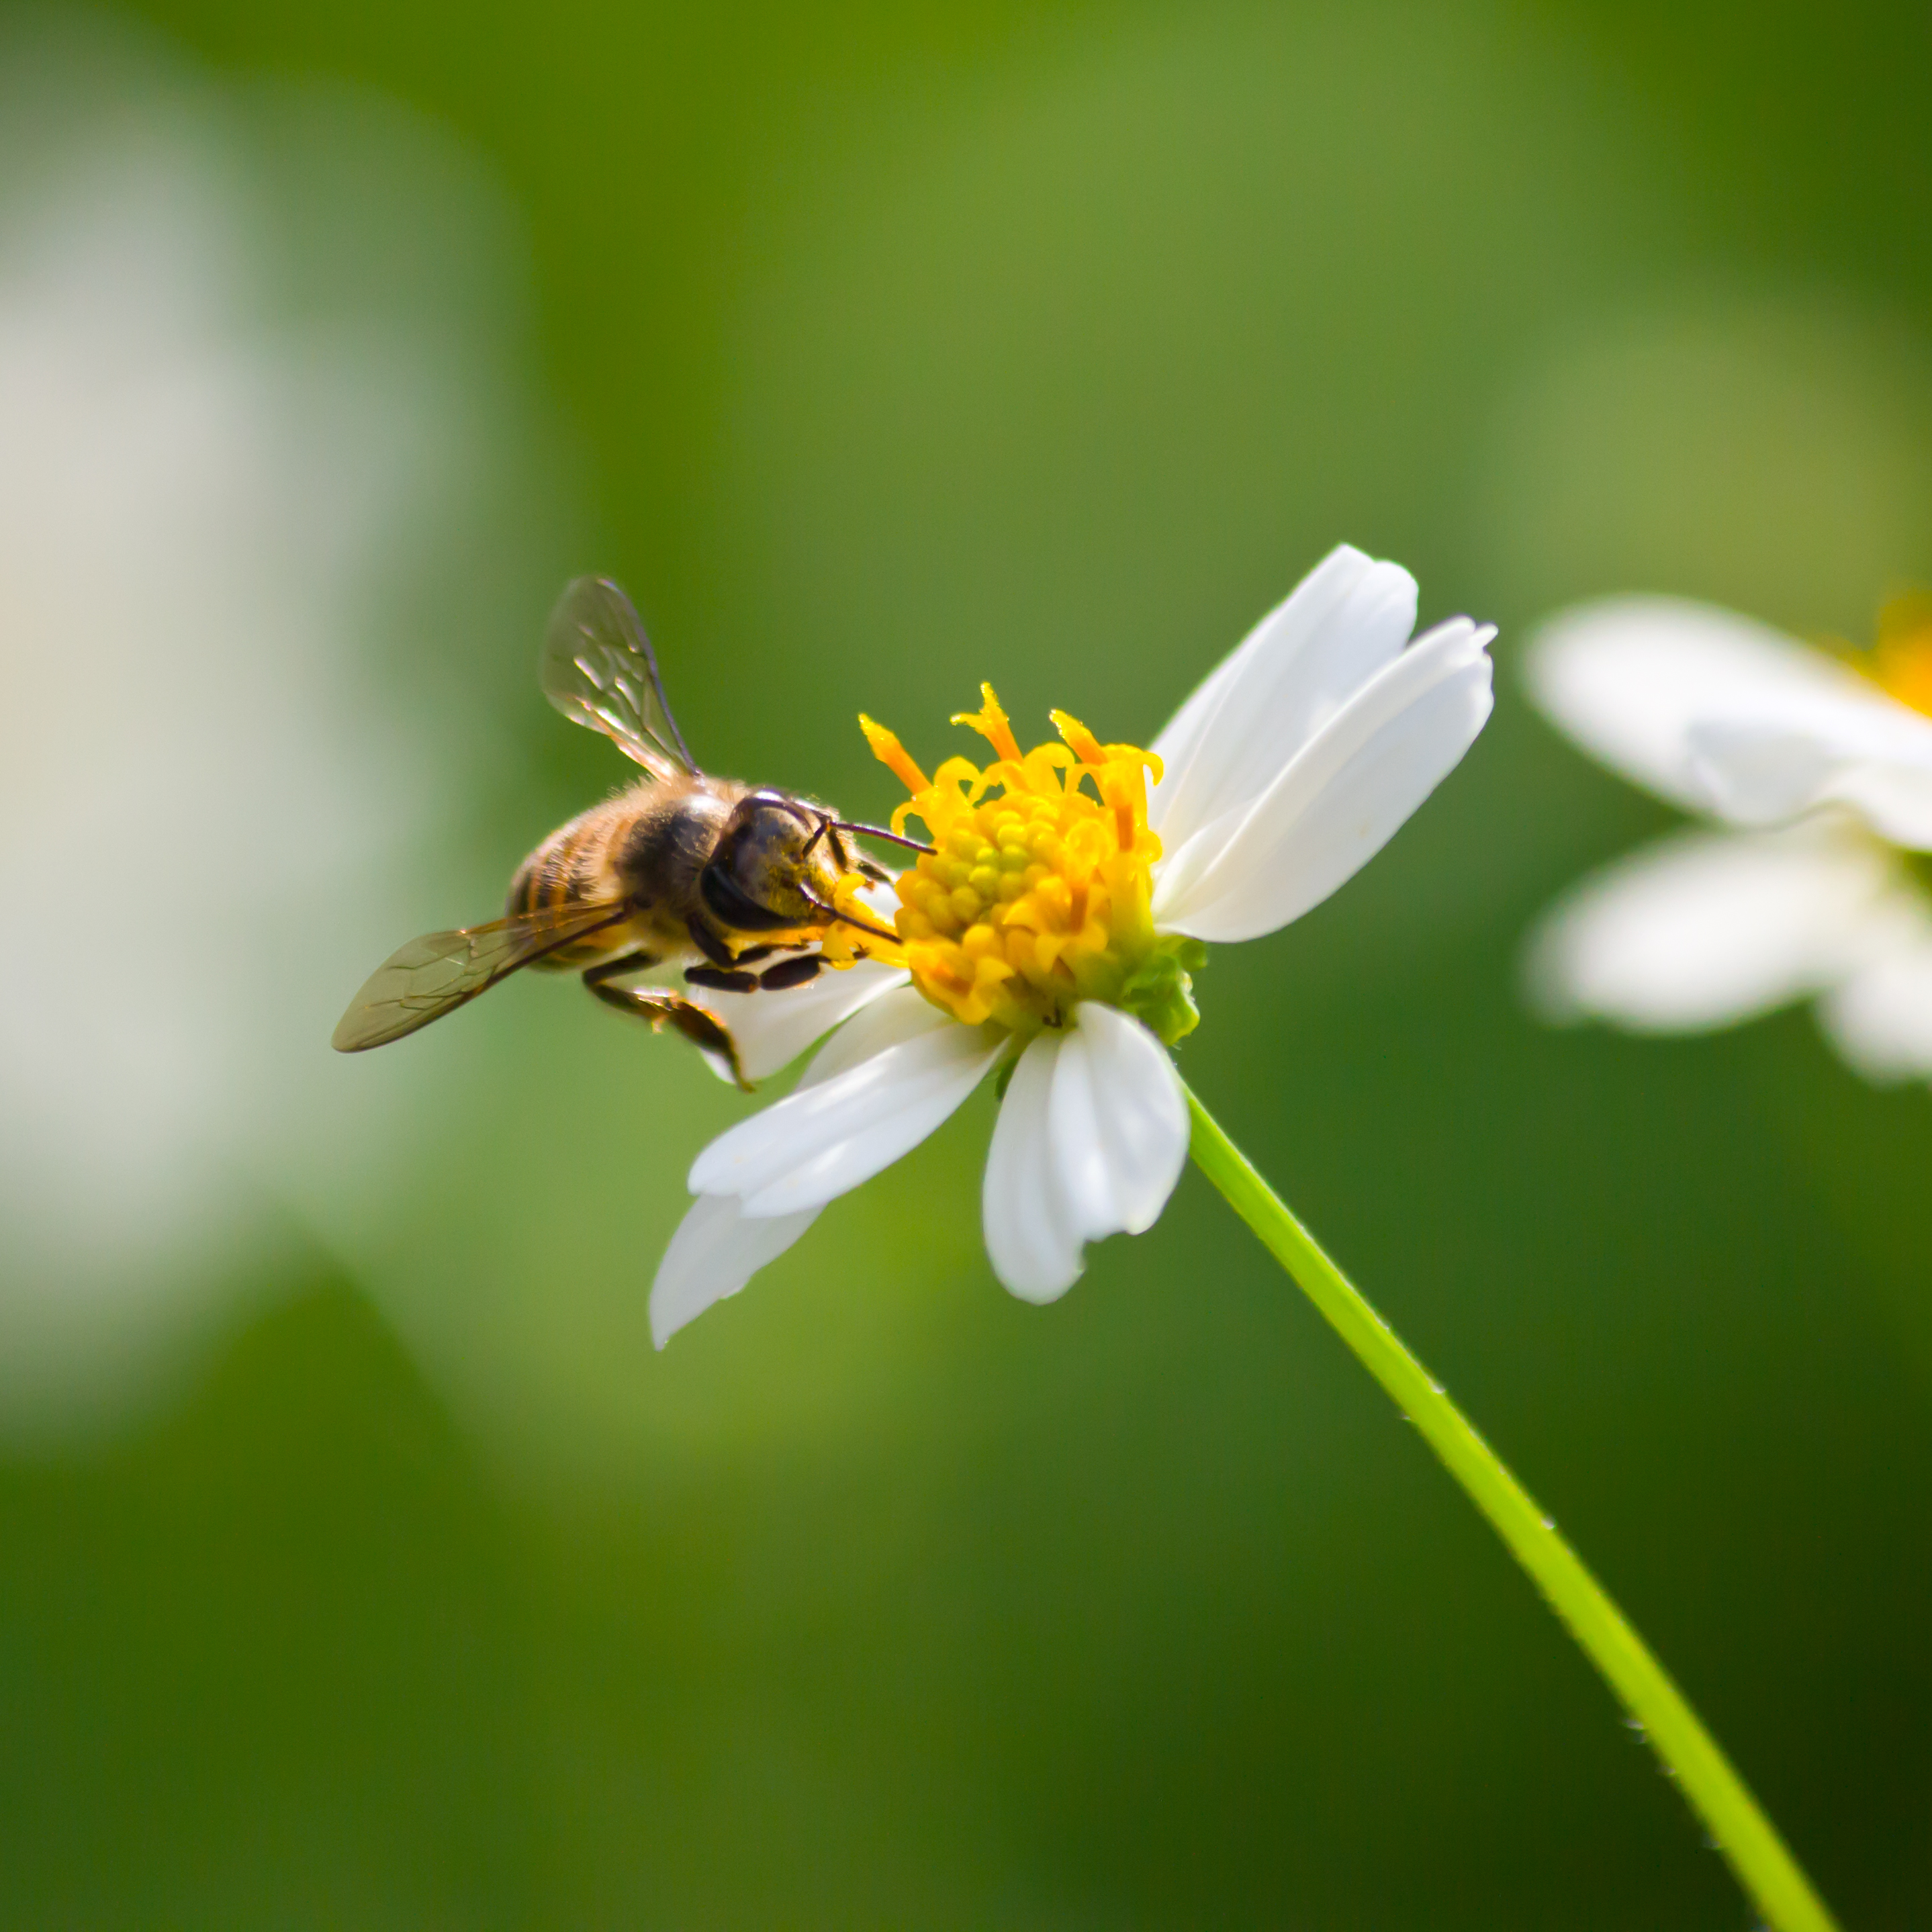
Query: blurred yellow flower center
column 1039, row 893
column 1901, row 662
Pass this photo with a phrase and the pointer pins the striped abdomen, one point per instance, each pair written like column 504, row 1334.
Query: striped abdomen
column 648, row 848
column 575, row 865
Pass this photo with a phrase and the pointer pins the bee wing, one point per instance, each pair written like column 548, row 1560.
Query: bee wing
column 438, row 973
column 598, row 671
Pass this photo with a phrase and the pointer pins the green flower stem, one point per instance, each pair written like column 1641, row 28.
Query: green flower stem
column 1742, row 1832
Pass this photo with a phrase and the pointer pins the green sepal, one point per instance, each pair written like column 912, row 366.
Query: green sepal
column 1160, row 992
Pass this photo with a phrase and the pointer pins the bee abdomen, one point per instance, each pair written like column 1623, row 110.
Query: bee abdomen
column 571, row 867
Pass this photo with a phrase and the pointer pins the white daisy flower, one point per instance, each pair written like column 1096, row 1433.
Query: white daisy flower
column 1050, row 933
column 1820, row 765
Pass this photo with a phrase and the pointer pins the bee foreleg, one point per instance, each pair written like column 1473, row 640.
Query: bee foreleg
column 789, row 972
column 713, row 945
column 721, row 980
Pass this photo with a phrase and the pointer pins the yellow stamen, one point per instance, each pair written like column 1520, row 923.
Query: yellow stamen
column 890, row 753
column 1038, row 893
column 1899, row 662
column 1084, row 745
column 1904, row 650
column 992, row 724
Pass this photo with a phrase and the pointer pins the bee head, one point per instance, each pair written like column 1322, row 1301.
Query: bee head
column 773, row 851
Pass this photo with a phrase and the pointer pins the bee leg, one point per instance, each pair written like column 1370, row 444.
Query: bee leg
column 713, row 945
column 624, row 963
column 721, row 980
column 705, row 1030
column 790, row 972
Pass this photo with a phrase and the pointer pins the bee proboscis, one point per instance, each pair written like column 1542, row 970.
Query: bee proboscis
column 681, row 869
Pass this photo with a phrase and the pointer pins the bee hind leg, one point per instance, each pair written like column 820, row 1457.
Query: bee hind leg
column 703, row 1029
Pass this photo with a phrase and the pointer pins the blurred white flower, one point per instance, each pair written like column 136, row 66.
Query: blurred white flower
column 195, row 501
column 1051, row 931
column 1822, row 764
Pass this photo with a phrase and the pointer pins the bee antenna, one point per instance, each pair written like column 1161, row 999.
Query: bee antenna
column 880, row 832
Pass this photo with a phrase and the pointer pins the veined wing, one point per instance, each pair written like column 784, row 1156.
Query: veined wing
column 599, row 670
column 441, row 971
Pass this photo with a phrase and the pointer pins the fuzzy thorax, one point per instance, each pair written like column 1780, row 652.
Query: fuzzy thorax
column 1039, row 893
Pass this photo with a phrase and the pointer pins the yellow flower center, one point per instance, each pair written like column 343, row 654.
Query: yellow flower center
column 1038, row 893
column 1901, row 662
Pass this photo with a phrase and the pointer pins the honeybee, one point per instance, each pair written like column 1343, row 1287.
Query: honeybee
column 681, row 870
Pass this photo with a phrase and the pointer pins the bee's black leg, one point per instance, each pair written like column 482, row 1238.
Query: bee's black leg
column 623, row 964
column 790, row 972
column 705, row 1030
column 721, row 978
column 713, row 945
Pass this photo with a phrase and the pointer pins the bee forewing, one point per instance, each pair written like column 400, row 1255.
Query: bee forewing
column 438, row 973
column 597, row 668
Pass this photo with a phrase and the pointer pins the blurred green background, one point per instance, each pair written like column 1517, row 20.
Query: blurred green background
column 385, row 1577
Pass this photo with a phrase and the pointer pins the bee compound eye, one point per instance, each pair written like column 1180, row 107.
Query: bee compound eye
column 727, row 900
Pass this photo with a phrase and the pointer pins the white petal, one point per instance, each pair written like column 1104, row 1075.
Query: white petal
column 1865, row 750
column 1340, row 800
column 839, row 1130
column 715, row 1251
column 1031, row 1238
column 1880, row 1018
column 1141, row 1115
column 718, row 1247
column 904, row 1014
column 1705, row 928
column 1344, row 620
column 1091, row 1138
column 771, row 1029
column 1630, row 678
